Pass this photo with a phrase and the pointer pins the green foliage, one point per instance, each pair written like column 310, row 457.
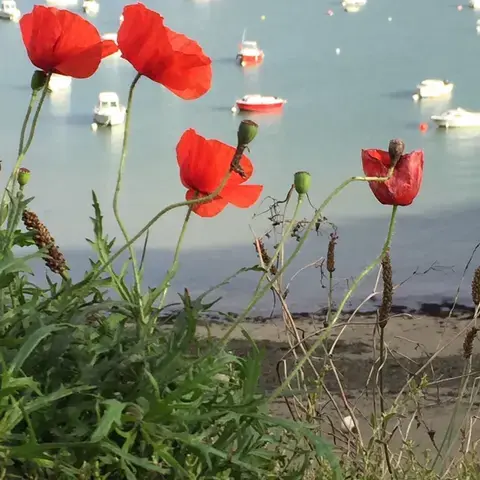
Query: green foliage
column 90, row 392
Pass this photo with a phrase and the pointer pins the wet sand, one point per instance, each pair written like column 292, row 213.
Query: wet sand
column 412, row 339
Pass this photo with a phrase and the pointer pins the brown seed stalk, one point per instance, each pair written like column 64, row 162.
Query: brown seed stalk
column 54, row 259
column 468, row 342
column 331, row 252
column 263, row 254
column 387, row 297
column 476, row 287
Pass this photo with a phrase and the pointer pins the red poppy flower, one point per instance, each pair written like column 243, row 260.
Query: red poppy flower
column 203, row 165
column 63, row 42
column 407, row 177
column 164, row 56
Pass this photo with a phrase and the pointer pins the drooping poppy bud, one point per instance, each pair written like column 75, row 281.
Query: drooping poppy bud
column 39, row 80
column 396, row 147
column 23, row 176
column 302, row 182
column 247, row 131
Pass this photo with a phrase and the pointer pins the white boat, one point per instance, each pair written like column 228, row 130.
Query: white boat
column 433, row 88
column 353, row 3
column 475, row 4
column 121, row 19
column 62, row 3
column 91, row 6
column 59, row 82
column 457, row 118
column 478, row 26
column 113, row 38
column 108, row 111
column 9, row 10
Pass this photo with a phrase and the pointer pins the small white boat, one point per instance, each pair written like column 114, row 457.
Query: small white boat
column 108, row 111
column 475, row 4
column 457, row 118
column 433, row 88
column 121, row 19
column 62, row 3
column 478, row 26
column 353, row 3
column 59, row 82
column 91, row 7
column 260, row 104
column 113, row 38
column 9, row 10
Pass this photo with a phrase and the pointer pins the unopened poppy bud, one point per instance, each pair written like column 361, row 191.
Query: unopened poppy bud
column 396, row 147
column 302, row 182
column 247, row 131
column 39, row 79
column 23, row 176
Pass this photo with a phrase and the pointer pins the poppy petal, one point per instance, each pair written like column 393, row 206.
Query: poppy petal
column 143, row 40
column 109, row 47
column 202, row 162
column 242, row 196
column 61, row 41
column 207, row 209
column 375, row 162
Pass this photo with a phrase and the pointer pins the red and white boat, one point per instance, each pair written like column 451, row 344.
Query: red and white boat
column 249, row 53
column 260, row 103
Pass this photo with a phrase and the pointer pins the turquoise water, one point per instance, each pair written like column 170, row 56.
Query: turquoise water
column 337, row 104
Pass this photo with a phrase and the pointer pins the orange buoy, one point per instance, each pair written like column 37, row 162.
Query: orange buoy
column 423, row 127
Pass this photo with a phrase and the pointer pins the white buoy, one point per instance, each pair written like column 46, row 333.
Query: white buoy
column 416, row 97
column 234, row 109
column 337, row 51
column 94, row 126
column 348, row 425
column 389, row 19
column 263, row 17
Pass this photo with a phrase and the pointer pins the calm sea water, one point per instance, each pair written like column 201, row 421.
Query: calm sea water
column 338, row 104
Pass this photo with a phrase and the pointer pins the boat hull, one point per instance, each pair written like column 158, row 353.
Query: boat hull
column 249, row 60
column 429, row 92
column 12, row 16
column 260, row 108
column 109, row 119
column 449, row 123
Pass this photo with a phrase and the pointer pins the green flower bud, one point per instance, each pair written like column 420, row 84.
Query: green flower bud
column 247, row 131
column 302, row 182
column 39, row 79
column 23, row 176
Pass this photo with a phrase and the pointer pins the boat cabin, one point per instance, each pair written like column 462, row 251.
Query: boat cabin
column 108, row 100
column 8, row 6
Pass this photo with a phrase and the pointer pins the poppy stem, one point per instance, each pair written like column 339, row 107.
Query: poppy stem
column 391, row 227
column 259, row 293
column 22, row 147
column 121, row 167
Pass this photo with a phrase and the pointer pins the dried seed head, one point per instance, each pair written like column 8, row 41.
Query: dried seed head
column 468, row 342
column 387, row 297
column 476, row 287
column 263, row 254
column 396, row 147
column 54, row 259
column 331, row 252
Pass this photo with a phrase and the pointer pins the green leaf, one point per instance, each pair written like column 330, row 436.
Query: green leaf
column 23, row 239
column 111, row 417
column 6, row 279
column 30, row 344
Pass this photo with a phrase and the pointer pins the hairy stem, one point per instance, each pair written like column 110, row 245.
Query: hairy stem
column 349, row 293
column 123, row 158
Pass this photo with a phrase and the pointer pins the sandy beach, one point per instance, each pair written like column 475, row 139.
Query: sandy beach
column 411, row 338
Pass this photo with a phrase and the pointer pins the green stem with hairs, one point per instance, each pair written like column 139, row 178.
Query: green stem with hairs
column 260, row 292
column 174, row 268
column 285, row 235
column 22, row 147
column 123, row 157
column 391, row 227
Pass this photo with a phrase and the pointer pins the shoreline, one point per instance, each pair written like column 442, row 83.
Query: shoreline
column 440, row 310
